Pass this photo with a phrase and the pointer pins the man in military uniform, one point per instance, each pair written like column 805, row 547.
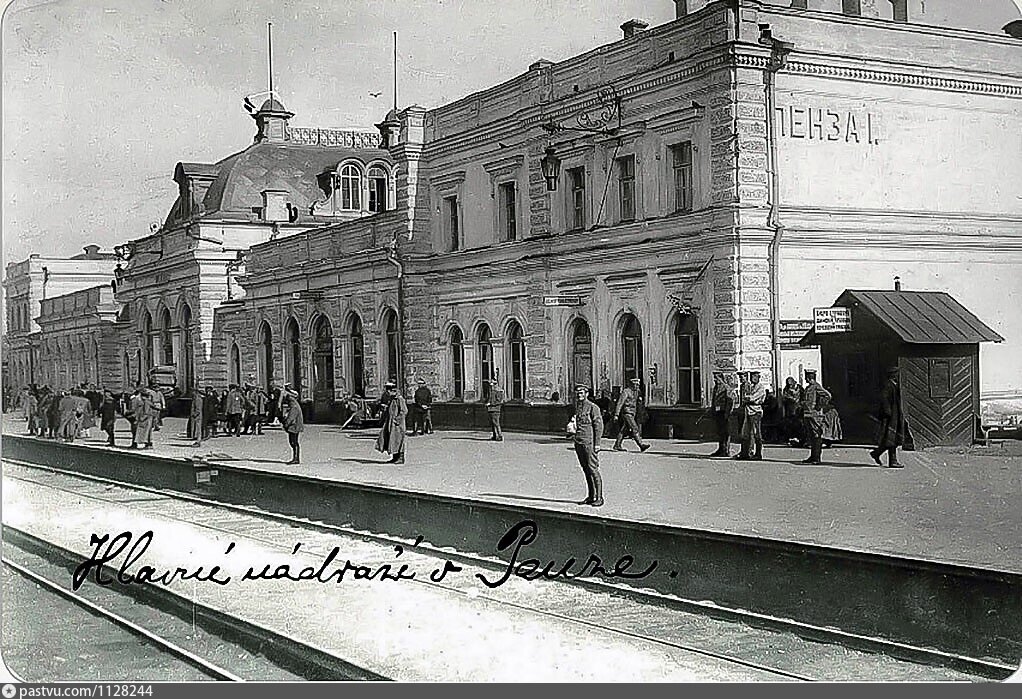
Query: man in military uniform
column 624, row 413
column 588, row 431
column 493, row 407
column 753, row 394
column 722, row 403
column 813, row 398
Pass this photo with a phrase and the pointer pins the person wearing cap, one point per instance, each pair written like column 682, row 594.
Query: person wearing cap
column 494, row 405
column 422, row 421
column 234, row 407
column 588, row 431
column 722, row 404
column 892, row 421
column 293, row 421
column 624, row 413
column 392, row 433
column 813, row 398
column 753, row 394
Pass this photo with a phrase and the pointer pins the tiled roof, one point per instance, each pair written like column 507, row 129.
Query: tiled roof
column 922, row 317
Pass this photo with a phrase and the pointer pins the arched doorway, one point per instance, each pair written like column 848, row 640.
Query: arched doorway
column 484, row 347
column 188, row 366
column 234, row 375
column 265, row 356
column 356, row 370
column 166, row 338
column 631, row 348
column 516, row 361
column 457, row 363
column 686, row 359
column 322, row 363
column 393, row 346
column 581, row 356
column 146, row 362
column 293, row 355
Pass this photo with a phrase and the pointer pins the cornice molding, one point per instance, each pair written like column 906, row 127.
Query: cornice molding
column 886, row 77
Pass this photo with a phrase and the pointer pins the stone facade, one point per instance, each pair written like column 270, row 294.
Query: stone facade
column 719, row 175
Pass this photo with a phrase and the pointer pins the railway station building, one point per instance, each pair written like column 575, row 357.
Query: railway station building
column 668, row 205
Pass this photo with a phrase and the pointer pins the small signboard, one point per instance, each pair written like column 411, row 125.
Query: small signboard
column 832, row 320
column 562, row 300
column 794, row 330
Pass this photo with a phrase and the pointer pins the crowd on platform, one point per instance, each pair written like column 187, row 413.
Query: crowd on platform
column 802, row 415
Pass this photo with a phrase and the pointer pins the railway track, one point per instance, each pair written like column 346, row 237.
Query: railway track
column 793, row 646
column 145, row 635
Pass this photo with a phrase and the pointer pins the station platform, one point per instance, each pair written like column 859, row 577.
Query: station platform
column 949, row 506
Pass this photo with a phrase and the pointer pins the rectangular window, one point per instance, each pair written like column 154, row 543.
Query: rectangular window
column 940, row 378
column 451, row 230
column 576, row 199
column 508, row 211
column 626, row 187
column 681, row 162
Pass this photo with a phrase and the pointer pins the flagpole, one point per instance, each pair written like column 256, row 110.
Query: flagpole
column 269, row 54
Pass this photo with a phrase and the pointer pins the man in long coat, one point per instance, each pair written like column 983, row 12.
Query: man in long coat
column 70, row 417
column 892, row 422
column 145, row 415
column 108, row 416
column 722, row 403
column 813, row 399
column 196, row 421
column 392, row 434
column 292, row 420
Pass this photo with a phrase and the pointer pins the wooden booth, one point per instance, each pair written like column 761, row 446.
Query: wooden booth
column 931, row 338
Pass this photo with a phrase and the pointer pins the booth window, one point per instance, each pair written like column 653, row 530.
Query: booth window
column 940, row 378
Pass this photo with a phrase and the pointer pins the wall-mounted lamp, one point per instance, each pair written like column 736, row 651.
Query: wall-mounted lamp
column 551, row 166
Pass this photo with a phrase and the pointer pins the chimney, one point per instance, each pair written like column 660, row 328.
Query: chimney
column 1014, row 29
column 900, row 8
column 897, row 283
column 680, row 8
column 91, row 252
column 800, row 4
column 860, row 8
column 633, row 27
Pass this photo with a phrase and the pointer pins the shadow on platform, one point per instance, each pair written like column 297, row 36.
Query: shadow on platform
column 528, row 498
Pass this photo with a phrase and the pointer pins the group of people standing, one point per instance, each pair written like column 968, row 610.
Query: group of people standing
column 245, row 410
column 70, row 414
column 810, row 405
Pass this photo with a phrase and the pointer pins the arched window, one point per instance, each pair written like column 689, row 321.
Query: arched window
column 293, row 355
column 357, row 343
column 265, row 360
column 188, row 366
column 126, row 372
column 351, row 188
column 686, row 359
column 147, row 344
column 581, row 356
column 631, row 348
column 377, row 189
column 323, row 360
column 390, row 326
column 234, row 376
column 458, row 362
column 166, row 338
column 516, row 360
column 484, row 348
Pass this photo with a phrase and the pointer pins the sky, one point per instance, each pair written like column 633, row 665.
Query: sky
column 102, row 98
